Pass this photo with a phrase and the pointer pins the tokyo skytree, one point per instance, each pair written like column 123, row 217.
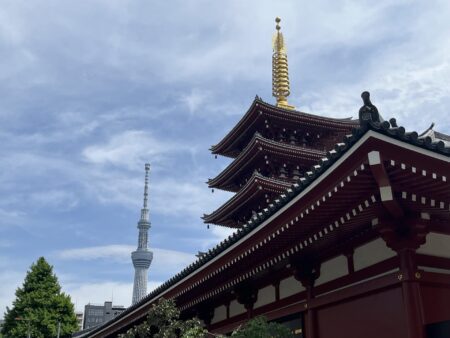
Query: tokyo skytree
column 142, row 257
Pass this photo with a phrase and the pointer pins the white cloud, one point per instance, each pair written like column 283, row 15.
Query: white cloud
column 11, row 217
column 181, row 197
column 61, row 199
column 165, row 262
column 195, row 99
column 97, row 293
column 414, row 95
column 118, row 253
column 9, row 281
column 217, row 234
column 129, row 149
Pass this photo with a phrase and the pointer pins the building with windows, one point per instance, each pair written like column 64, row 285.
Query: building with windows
column 79, row 315
column 94, row 315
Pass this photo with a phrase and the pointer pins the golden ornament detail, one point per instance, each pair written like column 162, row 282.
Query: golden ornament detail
column 280, row 74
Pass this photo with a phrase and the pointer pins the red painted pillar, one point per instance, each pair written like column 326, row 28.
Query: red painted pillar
column 405, row 236
column 247, row 295
column 311, row 324
column 306, row 271
column 412, row 299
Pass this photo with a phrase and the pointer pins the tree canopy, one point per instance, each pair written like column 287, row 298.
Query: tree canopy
column 163, row 322
column 261, row 328
column 39, row 306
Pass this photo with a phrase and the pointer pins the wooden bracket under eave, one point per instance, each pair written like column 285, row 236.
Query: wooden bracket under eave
column 384, row 184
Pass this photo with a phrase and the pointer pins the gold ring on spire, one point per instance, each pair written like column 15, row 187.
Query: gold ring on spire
column 280, row 73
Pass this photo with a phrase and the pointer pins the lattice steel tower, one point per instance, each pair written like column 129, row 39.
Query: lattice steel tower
column 142, row 257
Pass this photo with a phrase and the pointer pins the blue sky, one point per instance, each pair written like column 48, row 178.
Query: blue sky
column 90, row 91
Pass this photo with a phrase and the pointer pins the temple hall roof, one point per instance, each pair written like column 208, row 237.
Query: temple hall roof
column 397, row 135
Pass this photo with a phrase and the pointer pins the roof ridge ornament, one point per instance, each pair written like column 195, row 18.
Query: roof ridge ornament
column 369, row 115
column 280, row 74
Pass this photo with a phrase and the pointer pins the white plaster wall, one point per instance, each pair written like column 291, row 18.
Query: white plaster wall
column 236, row 308
column 220, row 313
column 290, row 286
column 332, row 269
column 371, row 253
column 265, row 296
column 436, row 245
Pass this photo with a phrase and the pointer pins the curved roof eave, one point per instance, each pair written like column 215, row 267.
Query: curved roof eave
column 245, row 157
column 221, row 148
column 252, row 185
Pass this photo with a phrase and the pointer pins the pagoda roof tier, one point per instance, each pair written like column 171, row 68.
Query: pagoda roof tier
column 254, row 191
column 260, row 149
column 260, row 111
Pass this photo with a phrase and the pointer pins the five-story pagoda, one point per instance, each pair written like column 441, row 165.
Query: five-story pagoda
column 272, row 147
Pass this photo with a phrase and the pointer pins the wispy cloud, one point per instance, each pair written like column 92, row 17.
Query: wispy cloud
column 217, row 234
column 129, row 149
column 180, row 197
column 194, row 99
column 9, row 280
column 97, row 293
column 165, row 262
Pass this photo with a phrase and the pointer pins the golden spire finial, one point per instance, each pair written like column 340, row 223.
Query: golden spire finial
column 280, row 75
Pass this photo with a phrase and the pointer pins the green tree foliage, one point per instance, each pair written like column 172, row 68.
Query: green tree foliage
column 39, row 306
column 163, row 322
column 258, row 327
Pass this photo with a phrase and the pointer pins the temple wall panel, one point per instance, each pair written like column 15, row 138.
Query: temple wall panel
column 220, row 313
column 365, row 317
column 289, row 287
column 332, row 269
column 436, row 245
column 236, row 308
column 265, row 296
column 371, row 253
column 436, row 302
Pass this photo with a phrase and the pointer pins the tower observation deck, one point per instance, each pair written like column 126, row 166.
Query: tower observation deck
column 142, row 256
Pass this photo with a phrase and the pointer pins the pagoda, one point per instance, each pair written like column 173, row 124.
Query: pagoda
column 272, row 147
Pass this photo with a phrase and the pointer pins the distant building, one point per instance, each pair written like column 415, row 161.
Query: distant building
column 95, row 315
column 79, row 315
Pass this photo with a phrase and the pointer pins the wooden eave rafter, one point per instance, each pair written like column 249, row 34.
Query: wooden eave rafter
column 261, row 110
column 254, row 189
column 404, row 153
column 257, row 147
